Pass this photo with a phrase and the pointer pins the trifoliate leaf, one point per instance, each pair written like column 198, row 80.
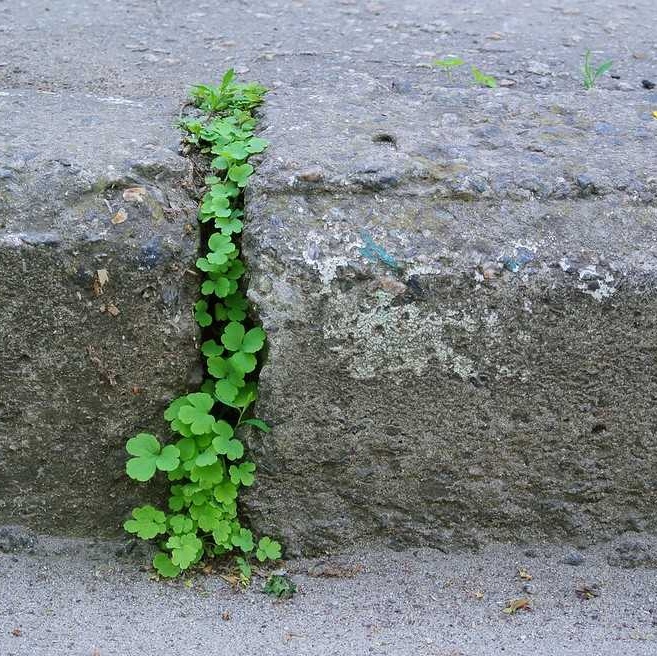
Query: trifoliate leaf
column 207, row 476
column 231, row 448
column 185, row 549
column 256, row 145
column 211, row 348
column 233, row 335
column 221, row 532
column 242, row 473
column 181, row 524
column 225, row 391
column 146, row 522
column 201, row 313
column 207, row 457
column 164, row 567
column 240, row 174
column 243, row 539
column 242, row 362
column 143, row 444
column 207, row 516
column 268, row 549
column 169, row 458
column 254, row 340
column 146, row 447
column 225, row 492
column 197, row 414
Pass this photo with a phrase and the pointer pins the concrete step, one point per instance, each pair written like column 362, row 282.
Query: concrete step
column 97, row 246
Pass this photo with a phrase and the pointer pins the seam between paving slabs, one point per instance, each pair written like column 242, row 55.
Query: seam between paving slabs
column 206, row 464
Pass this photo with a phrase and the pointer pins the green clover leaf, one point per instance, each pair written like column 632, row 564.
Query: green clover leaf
column 243, row 539
column 225, row 492
column 181, row 524
column 231, row 448
column 208, row 476
column 253, row 340
column 163, row 565
column 228, row 226
column 243, row 363
column 221, row 533
column 211, row 348
column 147, row 522
column 149, row 457
column 196, row 414
column 177, row 500
column 225, row 391
column 205, row 458
column 240, row 174
column 207, row 516
column 242, row 473
column 201, row 312
column 268, row 549
column 237, row 150
column 220, row 287
column 233, row 336
column 185, row 549
column 256, row 145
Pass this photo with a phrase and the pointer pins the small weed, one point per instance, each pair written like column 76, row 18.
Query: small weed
column 280, row 586
column 448, row 64
column 592, row 74
column 482, row 79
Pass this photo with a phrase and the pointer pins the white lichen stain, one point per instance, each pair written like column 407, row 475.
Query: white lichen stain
column 382, row 339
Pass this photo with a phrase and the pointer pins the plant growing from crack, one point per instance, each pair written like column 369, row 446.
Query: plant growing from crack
column 591, row 74
column 448, row 64
column 205, row 463
column 451, row 63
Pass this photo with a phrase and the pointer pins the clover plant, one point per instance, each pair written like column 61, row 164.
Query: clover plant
column 205, row 461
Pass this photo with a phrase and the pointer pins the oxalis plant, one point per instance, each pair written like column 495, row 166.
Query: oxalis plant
column 205, row 463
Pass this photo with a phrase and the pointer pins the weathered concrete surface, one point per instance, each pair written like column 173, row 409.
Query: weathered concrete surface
column 70, row 597
column 519, row 365
column 496, row 384
column 96, row 333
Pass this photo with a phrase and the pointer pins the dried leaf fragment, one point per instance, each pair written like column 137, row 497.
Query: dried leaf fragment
column 120, row 217
column 113, row 310
column 100, row 280
column 514, row 605
column 134, row 194
column 225, row 616
column 524, row 574
column 586, row 591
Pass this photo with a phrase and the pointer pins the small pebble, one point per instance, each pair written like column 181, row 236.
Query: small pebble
column 574, row 558
column 647, row 84
column 529, row 588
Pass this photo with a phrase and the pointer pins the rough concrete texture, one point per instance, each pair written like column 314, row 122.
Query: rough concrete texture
column 86, row 599
column 498, row 384
column 96, row 333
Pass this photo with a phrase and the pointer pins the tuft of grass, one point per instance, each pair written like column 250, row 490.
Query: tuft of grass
column 591, row 74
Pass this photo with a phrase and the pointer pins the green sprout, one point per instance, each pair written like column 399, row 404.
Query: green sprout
column 483, row 80
column 448, row 64
column 592, row 74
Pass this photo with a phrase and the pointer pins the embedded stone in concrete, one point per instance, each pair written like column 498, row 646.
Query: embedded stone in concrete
column 97, row 243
